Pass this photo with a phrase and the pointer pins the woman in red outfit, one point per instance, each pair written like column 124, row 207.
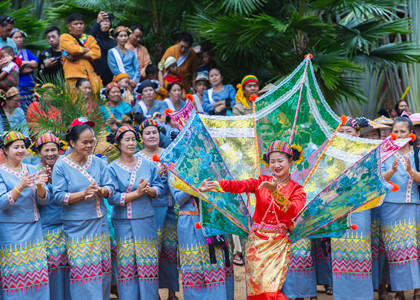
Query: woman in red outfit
column 279, row 200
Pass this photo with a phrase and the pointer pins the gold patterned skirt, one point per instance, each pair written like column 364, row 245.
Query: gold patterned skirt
column 267, row 259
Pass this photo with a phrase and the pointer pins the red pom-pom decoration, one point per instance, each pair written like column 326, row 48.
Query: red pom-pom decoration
column 393, row 136
column 412, row 136
column 343, row 120
column 353, row 226
column 197, row 225
column 287, row 240
column 168, row 111
column 310, row 55
column 190, row 97
column 155, row 158
column 395, row 186
column 253, row 97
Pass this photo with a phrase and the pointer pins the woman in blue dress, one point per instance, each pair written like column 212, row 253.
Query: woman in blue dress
column 174, row 101
column 80, row 182
column 201, row 277
column 48, row 147
column 137, row 184
column 164, row 213
column 121, row 59
column 24, row 267
column 400, row 215
column 219, row 99
column 148, row 106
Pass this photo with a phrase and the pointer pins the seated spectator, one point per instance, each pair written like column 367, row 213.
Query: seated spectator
column 9, row 76
column 6, row 26
column 187, row 60
column 123, row 81
column 171, row 74
column 174, row 101
column 248, row 87
column 122, row 60
column 153, row 75
column 114, row 109
column 26, row 76
column 148, row 106
column 400, row 107
column 219, row 99
column 85, row 88
column 12, row 116
column 201, row 84
column 51, row 59
column 79, row 52
column 100, row 31
column 207, row 61
column 143, row 57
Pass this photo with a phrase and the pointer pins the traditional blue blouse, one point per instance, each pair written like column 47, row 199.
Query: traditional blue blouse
column 408, row 192
column 127, row 180
column 228, row 92
column 121, row 109
column 51, row 212
column 69, row 177
column 184, row 199
column 17, row 122
column 129, row 60
column 24, row 208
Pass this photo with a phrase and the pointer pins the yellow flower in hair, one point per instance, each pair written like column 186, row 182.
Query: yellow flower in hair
column 263, row 162
column 64, row 145
column 301, row 157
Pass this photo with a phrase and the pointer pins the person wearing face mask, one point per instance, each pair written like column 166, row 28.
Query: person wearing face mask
column 137, row 186
column 48, row 148
column 100, row 31
column 400, row 213
column 122, row 60
column 113, row 110
column 80, row 182
column 143, row 57
column 165, row 216
column 24, row 267
column 278, row 200
column 249, row 86
column 50, row 60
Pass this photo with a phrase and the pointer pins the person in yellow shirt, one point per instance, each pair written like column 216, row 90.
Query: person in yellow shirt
column 186, row 57
column 79, row 52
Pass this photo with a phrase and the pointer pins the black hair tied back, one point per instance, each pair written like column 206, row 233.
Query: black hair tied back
column 296, row 154
column 265, row 158
column 110, row 138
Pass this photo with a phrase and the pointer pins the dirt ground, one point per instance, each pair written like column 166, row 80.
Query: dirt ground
column 240, row 290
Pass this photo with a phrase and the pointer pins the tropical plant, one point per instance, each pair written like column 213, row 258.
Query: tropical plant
column 269, row 38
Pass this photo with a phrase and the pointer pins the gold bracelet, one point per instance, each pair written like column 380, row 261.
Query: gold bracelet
column 17, row 190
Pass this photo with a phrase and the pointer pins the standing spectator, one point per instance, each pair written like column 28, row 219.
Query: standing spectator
column 9, row 75
column 143, row 57
column 220, row 99
column 248, row 86
column 6, row 26
column 187, row 60
column 122, row 60
column 11, row 116
column 50, row 60
column 100, row 31
column 29, row 64
column 79, row 51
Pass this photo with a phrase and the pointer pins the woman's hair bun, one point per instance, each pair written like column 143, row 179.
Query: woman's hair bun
column 296, row 154
column 265, row 158
column 110, row 138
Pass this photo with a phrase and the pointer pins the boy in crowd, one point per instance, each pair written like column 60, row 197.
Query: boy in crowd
column 9, row 75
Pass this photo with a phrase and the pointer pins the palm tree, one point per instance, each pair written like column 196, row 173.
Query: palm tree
column 270, row 37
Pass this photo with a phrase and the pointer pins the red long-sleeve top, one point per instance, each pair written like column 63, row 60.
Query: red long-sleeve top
column 292, row 191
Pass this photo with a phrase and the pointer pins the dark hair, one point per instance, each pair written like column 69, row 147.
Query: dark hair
column 6, row 20
column 404, row 119
column 171, row 85
column 110, row 138
column 8, row 50
column 73, row 133
column 27, row 142
column 151, row 69
column 398, row 111
column 294, row 157
column 137, row 26
column 185, row 37
column 80, row 81
column 51, row 29
column 139, row 118
column 75, row 17
column 218, row 69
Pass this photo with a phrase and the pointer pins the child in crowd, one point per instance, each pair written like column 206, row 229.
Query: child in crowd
column 123, row 81
column 171, row 74
column 9, row 75
column 152, row 74
column 201, row 84
column 207, row 61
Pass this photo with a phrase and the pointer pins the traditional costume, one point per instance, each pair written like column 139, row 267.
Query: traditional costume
column 23, row 260
column 267, row 249
column 85, row 226
column 135, row 228
column 52, row 228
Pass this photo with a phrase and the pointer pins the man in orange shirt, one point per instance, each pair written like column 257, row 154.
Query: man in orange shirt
column 79, row 52
column 137, row 32
column 187, row 60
